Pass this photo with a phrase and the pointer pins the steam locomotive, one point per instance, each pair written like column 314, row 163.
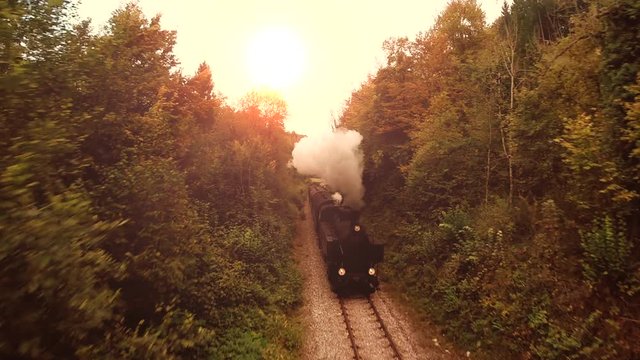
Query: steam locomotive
column 349, row 253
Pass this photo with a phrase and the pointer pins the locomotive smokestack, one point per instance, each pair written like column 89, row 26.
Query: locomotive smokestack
column 337, row 158
column 337, row 198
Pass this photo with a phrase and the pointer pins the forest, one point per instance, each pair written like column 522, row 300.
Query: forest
column 140, row 216
column 502, row 165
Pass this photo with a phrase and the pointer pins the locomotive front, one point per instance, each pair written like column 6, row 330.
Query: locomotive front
column 349, row 253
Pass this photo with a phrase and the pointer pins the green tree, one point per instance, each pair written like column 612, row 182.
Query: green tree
column 126, row 69
column 119, row 238
column 56, row 299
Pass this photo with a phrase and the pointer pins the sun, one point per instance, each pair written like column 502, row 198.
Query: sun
column 275, row 58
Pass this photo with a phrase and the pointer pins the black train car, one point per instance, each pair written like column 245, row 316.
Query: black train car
column 350, row 255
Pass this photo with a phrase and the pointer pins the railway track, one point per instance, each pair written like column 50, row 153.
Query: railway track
column 368, row 334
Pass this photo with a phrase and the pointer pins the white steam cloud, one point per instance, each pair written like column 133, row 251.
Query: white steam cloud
column 337, row 159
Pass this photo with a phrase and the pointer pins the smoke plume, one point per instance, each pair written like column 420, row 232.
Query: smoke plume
column 337, row 159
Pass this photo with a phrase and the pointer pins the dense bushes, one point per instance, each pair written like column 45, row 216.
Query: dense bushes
column 55, row 293
column 140, row 217
column 502, row 296
column 607, row 252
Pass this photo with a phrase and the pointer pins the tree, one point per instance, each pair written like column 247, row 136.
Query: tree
column 113, row 245
column 265, row 109
column 128, row 67
column 54, row 275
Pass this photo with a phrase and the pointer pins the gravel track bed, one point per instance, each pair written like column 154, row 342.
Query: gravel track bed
column 369, row 336
column 326, row 334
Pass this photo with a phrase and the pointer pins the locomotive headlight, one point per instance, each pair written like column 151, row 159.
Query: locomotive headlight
column 342, row 271
column 372, row 271
column 356, row 228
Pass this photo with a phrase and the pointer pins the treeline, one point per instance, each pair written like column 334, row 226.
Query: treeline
column 503, row 167
column 140, row 216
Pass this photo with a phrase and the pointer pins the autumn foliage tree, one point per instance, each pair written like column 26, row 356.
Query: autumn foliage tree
column 501, row 165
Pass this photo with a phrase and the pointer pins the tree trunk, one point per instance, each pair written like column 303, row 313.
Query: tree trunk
column 510, row 65
column 486, row 183
column 507, row 152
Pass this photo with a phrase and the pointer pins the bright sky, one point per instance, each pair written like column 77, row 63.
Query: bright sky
column 331, row 46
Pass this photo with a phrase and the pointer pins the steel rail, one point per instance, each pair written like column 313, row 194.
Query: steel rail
column 384, row 328
column 349, row 329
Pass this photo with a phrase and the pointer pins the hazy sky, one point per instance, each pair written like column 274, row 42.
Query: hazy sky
column 339, row 43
